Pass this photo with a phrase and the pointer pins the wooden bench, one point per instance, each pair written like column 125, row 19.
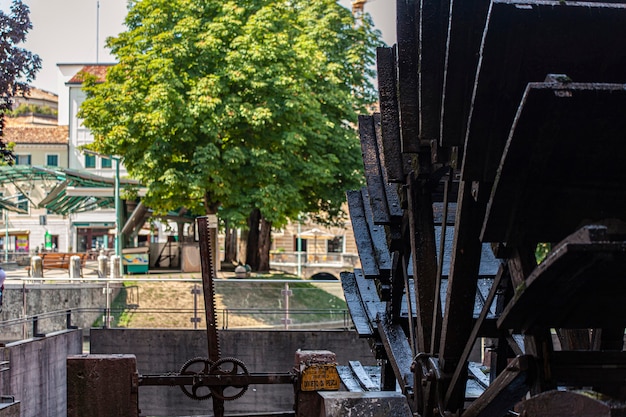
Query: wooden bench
column 60, row 260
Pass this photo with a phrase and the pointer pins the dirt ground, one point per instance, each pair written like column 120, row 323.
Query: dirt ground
column 171, row 305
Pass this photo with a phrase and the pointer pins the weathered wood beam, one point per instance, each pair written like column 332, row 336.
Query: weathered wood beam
column 389, row 113
column 503, row 393
column 579, row 285
column 399, row 352
column 408, row 63
column 461, row 291
column 424, row 255
column 373, row 171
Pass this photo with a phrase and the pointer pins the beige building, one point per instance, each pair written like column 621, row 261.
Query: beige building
column 309, row 249
column 36, row 142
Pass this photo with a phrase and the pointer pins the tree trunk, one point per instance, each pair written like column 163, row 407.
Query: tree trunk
column 265, row 243
column 242, row 247
column 252, row 247
column 230, row 244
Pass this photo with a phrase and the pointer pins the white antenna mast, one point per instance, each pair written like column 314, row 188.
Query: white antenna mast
column 97, row 31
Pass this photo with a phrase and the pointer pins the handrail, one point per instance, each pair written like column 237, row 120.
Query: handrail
column 223, row 312
column 164, row 279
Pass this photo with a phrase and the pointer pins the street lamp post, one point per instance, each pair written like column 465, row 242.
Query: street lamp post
column 116, row 198
column 118, row 209
column 6, row 236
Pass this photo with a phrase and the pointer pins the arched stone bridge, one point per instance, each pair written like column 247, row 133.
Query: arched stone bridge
column 312, row 264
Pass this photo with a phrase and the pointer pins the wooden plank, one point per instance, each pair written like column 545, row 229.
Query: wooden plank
column 363, row 378
column 547, row 38
column 433, row 27
column 408, row 63
column 507, row 389
column 579, row 285
column 369, row 297
column 361, row 234
column 398, row 351
column 358, row 314
column 389, row 113
column 378, row 237
column 461, row 291
column 373, row 173
column 424, row 256
column 466, row 24
column 564, row 125
column 348, row 379
column 393, row 202
column 458, row 378
column 587, row 368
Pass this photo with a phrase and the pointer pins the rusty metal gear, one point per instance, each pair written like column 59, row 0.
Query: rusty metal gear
column 428, row 388
column 197, row 367
column 229, row 366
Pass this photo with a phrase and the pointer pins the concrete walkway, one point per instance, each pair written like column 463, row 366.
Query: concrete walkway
column 17, row 273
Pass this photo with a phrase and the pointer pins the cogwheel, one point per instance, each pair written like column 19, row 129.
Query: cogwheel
column 196, row 366
column 229, row 366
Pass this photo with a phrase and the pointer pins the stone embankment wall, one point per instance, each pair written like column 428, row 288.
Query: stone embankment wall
column 34, row 372
column 163, row 351
column 87, row 300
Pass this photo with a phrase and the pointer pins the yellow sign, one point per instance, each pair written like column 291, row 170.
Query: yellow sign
column 320, row 378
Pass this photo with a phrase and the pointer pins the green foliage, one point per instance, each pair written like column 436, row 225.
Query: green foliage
column 120, row 314
column 18, row 66
column 237, row 105
column 24, row 109
column 541, row 251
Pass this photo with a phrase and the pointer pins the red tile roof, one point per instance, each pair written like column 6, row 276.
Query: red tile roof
column 33, row 134
column 99, row 71
column 36, row 93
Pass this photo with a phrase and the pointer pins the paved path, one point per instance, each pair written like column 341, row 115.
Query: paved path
column 17, row 273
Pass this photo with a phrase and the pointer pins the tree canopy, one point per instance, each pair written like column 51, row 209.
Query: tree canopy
column 235, row 104
column 17, row 65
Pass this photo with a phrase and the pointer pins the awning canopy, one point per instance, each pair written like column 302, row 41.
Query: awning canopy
column 7, row 205
column 13, row 232
column 316, row 233
column 71, row 191
column 66, row 197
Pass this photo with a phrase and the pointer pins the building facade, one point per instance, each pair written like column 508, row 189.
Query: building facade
column 92, row 230
column 36, row 141
column 303, row 249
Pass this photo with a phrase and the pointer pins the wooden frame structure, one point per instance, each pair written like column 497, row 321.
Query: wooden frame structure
column 501, row 128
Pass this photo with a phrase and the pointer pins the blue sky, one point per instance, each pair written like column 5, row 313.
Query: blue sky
column 64, row 31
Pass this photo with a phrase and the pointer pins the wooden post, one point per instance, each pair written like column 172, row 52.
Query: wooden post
column 317, row 371
column 102, row 386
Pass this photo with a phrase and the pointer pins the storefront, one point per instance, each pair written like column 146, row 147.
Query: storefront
column 94, row 236
column 18, row 240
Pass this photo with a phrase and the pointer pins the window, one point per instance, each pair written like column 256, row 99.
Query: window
column 52, row 160
column 90, row 161
column 335, row 245
column 302, row 244
column 22, row 202
column 22, row 159
column 106, row 163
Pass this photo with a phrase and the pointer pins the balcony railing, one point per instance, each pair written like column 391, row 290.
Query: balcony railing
column 311, row 258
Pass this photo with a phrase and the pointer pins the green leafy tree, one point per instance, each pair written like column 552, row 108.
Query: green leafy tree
column 18, row 66
column 235, row 105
